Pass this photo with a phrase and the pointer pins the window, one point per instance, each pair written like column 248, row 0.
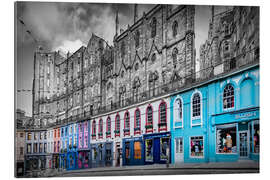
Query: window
column 153, row 58
column 226, row 47
column 137, row 38
column 178, row 108
column 127, row 124
column 94, row 129
column 164, row 148
column 21, row 150
column 162, row 116
column 228, row 97
column 40, row 147
column 35, row 147
column 127, row 151
column 137, row 150
column 226, row 139
column 29, row 148
column 108, row 133
column 21, row 135
column 196, row 146
column 100, row 134
column 149, row 120
column 45, row 147
column 117, row 125
column 256, row 137
column 174, row 56
column 196, row 105
column 35, row 136
column 153, row 27
column 149, row 150
column 137, row 121
column 29, row 136
column 174, row 28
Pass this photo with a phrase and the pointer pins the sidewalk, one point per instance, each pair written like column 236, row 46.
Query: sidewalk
column 213, row 165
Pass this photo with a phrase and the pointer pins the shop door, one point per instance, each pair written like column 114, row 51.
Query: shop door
column 118, row 154
column 179, row 153
column 156, row 150
column 243, row 136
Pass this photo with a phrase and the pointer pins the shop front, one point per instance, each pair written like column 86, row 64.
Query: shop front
column 101, row 154
column 71, row 160
column 237, row 135
column 63, row 160
column 133, row 151
column 83, row 159
column 157, row 148
column 56, row 161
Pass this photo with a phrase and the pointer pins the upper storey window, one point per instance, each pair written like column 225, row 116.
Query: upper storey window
column 153, row 27
column 196, row 105
column 174, row 28
column 228, row 97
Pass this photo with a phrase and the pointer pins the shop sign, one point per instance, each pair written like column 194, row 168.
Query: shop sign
column 245, row 115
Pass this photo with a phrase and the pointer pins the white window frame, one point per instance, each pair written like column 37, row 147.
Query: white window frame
column 222, row 97
column 201, row 107
column 175, row 113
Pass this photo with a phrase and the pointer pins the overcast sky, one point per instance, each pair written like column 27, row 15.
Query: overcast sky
column 67, row 26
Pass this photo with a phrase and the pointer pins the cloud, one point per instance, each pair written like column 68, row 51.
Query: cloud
column 69, row 46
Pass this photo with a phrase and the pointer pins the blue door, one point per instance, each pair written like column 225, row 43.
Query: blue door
column 156, row 150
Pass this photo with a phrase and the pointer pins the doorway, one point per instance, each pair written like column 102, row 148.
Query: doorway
column 179, row 152
column 243, row 136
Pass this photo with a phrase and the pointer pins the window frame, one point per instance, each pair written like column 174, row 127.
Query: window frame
column 196, row 157
column 108, row 131
column 94, row 129
column 100, row 128
column 159, row 116
column 126, row 129
column 117, row 131
column 175, row 29
column 223, row 98
column 180, row 120
column 150, row 129
column 201, row 107
column 137, row 130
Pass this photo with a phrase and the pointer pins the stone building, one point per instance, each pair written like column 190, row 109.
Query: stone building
column 232, row 34
column 149, row 58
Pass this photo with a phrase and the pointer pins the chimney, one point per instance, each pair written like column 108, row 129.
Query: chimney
column 135, row 12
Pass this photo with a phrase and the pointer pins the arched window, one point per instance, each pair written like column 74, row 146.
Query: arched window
column 149, row 119
column 196, row 105
column 174, row 56
column 137, row 121
column 153, row 27
column 178, row 109
column 117, row 125
column 162, row 116
column 108, row 130
column 228, row 97
column 174, row 28
column 94, row 129
column 100, row 134
column 126, row 124
column 137, row 38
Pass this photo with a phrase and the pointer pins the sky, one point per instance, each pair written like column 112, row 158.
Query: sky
column 67, row 26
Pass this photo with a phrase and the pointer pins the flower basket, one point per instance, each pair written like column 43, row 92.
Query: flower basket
column 108, row 132
column 162, row 124
column 126, row 130
column 149, row 126
column 116, row 131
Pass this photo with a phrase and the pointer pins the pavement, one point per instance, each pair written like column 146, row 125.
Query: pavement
column 246, row 166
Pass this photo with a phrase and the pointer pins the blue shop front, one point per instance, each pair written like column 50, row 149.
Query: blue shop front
column 235, row 135
column 133, row 151
column 101, row 154
column 157, row 148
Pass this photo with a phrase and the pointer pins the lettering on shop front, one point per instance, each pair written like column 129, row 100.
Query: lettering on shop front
column 245, row 115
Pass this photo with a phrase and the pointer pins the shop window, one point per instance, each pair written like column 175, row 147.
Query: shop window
column 117, row 125
column 149, row 150
column 94, row 129
column 162, row 126
column 100, row 134
column 108, row 130
column 164, row 148
column 174, row 28
column 149, row 120
column 137, row 150
column 127, row 152
column 256, row 138
column 228, row 97
column 137, row 124
column 226, row 139
column 196, row 105
column 196, row 146
column 127, row 124
column 153, row 27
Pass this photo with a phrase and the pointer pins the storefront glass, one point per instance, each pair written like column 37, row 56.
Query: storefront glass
column 137, row 150
column 164, row 148
column 127, row 151
column 226, row 139
column 196, row 146
column 149, row 150
column 256, row 137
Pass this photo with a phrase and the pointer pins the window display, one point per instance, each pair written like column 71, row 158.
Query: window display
column 94, row 154
column 149, row 150
column 127, row 150
column 256, row 138
column 196, row 146
column 137, row 150
column 164, row 148
column 226, row 139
